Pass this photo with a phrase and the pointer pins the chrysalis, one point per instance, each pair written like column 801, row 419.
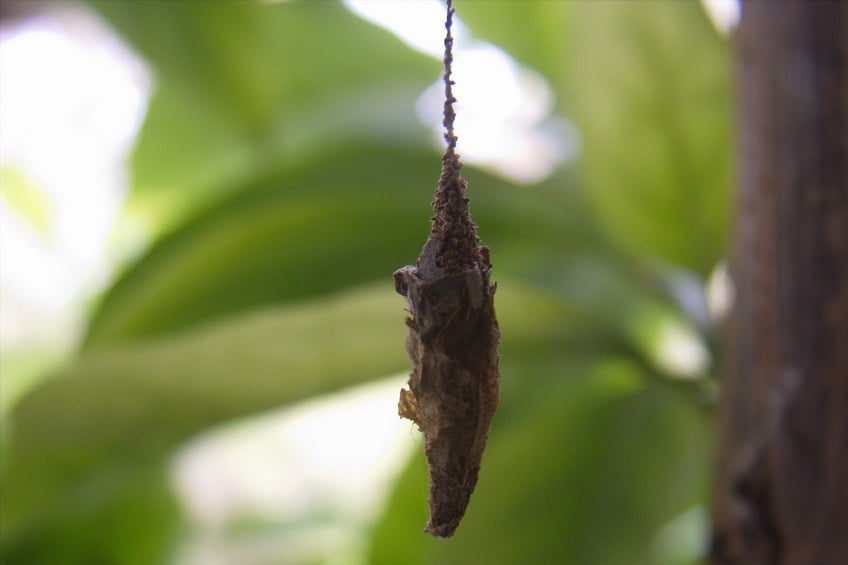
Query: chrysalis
column 452, row 339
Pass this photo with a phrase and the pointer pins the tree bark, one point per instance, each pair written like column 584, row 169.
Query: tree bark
column 781, row 491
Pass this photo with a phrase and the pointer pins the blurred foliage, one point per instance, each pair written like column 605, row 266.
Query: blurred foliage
column 285, row 176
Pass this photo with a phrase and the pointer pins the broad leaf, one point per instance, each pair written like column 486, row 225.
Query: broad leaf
column 537, row 34
column 649, row 90
column 352, row 216
column 242, row 86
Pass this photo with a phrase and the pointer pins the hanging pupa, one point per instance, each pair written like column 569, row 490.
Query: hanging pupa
column 452, row 338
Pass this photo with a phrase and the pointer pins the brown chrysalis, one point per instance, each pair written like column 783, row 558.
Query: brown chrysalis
column 452, row 339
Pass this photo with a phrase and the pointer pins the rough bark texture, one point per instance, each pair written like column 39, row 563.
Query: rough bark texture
column 452, row 340
column 782, row 485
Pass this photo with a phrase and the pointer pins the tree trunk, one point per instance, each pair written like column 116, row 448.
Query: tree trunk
column 782, row 483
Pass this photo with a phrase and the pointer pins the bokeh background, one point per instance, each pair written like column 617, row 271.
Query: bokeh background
column 202, row 205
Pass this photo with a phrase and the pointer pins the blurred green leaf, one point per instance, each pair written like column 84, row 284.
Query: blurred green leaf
column 352, row 216
column 23, row 368
column 536, row 34
column 306, row 232
column 79, row 437
column 258, row 60
column 126, row 514
column 648, row 85
column 649, row 90
column 588, row 470
column 239, row 82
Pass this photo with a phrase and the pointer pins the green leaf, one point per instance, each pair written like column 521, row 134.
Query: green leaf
column 241, row 84
column 351, row 216
column 256, row 60
column 649, row 90
column 588, row 468
column 294, row 236
column 78, row 438
column 126, row 516
column 536, row 34
column 22, row 368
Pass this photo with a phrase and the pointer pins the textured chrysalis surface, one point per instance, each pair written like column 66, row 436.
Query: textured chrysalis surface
column 452, row 339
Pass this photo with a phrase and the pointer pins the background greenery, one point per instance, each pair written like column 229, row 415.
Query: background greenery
column 286, row 177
